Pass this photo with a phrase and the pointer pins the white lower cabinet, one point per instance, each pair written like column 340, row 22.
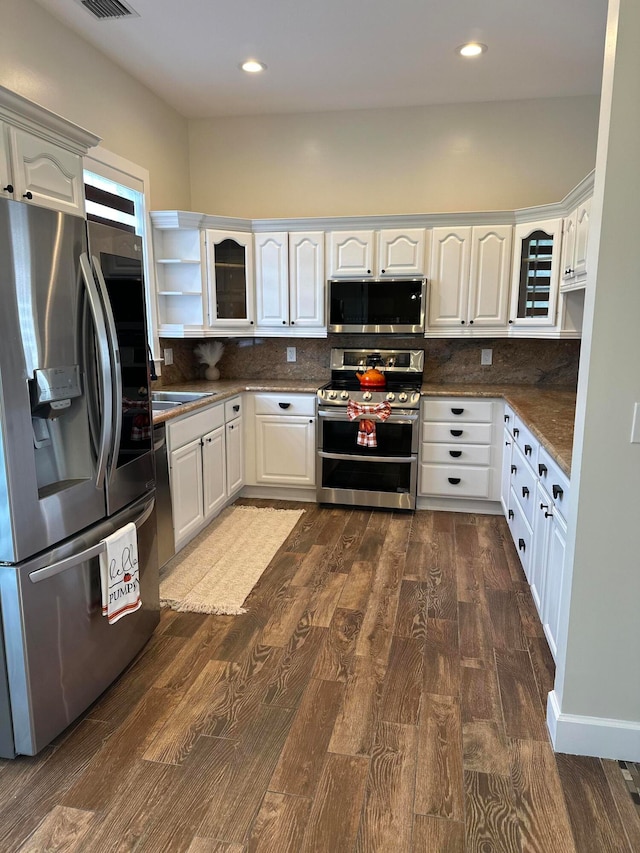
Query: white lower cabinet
column 284, row 442
column 206, row 465
column 537, row 496
column 460, row 451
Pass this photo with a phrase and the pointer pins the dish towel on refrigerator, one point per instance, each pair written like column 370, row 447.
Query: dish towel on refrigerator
column 119, row 576
column 367, row 427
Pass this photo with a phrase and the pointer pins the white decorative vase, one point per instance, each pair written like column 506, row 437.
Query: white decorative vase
column 212, row 373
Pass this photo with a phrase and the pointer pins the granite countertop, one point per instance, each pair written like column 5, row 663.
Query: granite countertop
column 548, row 412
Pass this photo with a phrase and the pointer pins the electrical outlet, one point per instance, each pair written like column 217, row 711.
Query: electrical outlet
column 486, row 356
column 168, row 357
column 291, row 354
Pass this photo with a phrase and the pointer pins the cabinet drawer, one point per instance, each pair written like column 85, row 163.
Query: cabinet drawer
column 451, row 454
column 523, row 483
column 456, row 409
column 555, row 481
column 232, row 409
column 521, row 532
column 457, row 433
column 285, row 404
column 183, row 431
column 454, row 481
column 526, row 441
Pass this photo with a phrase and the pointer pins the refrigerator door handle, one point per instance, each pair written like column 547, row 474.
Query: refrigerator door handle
column 83, row 556
column 104, row 359
column 115, row 364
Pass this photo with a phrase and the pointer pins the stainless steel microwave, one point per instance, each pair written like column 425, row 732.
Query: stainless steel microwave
column 377, row 306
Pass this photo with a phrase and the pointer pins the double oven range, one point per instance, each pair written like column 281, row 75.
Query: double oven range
column 384, row 475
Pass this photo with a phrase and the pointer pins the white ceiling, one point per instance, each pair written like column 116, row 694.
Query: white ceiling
column 348, row 54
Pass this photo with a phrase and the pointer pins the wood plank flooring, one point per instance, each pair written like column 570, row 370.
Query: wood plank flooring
column 385, row 691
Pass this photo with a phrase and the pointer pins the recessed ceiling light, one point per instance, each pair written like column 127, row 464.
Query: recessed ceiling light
column 252, row 66
column 472, row 48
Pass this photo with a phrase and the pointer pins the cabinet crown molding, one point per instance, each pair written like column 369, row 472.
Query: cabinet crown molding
column 27, row 115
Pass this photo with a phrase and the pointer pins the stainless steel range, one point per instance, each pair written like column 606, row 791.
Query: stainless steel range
column 368, row 434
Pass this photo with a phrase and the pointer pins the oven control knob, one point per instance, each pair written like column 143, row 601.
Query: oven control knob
column 391, row 396
column 402, row 397
column 344, row 395
column 366, row 395
column 332, row 395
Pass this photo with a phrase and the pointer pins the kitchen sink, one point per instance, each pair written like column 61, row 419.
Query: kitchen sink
column 177, row 397
column 161, row 405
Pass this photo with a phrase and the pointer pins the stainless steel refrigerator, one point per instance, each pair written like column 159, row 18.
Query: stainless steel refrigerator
column 76, row 464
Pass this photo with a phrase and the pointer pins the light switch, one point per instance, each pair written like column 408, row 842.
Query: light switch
column 635, row 428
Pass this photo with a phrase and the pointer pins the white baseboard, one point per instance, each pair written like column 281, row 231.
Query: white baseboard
column 600, row 737
column 460, row 505
column 278, row 493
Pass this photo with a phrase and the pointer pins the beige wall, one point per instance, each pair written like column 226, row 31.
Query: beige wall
column 46, row 62
column 498, row 155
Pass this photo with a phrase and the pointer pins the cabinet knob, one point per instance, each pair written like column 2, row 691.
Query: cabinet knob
column 471, row 322
column 507, row 443
column 457, row 411
column 28, row 195
column 284, row 322
column 382, row 271
column 454, row 480
column 527, row 450
column 542, row 470
column 510, row 321
column 558, row 492
column 369, row 272
column 462, row 322
column 456, row 432
column 251, row 322
column 522, row 545
column 310, row 420
column 293, row 322
column 8, row 188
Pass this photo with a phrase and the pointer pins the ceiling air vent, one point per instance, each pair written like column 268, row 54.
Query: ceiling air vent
column 105, row 9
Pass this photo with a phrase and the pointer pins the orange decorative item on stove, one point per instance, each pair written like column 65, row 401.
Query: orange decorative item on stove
column 371, row 378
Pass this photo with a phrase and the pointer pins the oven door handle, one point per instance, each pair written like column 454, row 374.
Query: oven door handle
column 349, row 457
column 399, row 418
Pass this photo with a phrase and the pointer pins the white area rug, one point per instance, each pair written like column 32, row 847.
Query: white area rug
column 217, row 570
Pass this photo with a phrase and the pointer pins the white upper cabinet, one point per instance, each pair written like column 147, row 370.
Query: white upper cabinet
column 448, row 286
column 575, row 240
column 306, row 279
column 536, row 273
column 230, row 281
column 351, row 253
column 46, row 174
column 272, row 279
column 290, row 282
column 401, row 253
column 388, row 253
column 490, row 275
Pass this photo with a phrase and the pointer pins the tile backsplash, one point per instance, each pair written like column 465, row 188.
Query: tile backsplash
column 527, row 362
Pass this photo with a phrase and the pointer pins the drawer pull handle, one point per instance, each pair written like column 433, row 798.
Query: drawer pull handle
column 511, row 514
column 558, row 492
column 284, row 405
column 522, row 545
column 455, row 453
column 525, row 492
column 236, row 408
column 456, row 432
column 527, row 450
column 8, row 188
column 516, row 431
column 514, row 469
column 542, row 470
column 507, row 418
column 457, row 411
column 545, row 507
column 454, row 480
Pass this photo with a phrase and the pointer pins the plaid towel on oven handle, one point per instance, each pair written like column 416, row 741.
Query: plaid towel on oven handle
column 366, row 426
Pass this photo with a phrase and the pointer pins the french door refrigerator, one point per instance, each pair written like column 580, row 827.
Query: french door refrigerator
column 76, row 464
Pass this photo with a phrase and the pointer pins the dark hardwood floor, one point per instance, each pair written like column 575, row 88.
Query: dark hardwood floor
column 385, row 691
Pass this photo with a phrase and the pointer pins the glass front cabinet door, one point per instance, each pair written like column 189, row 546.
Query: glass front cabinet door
column 536, row 273
column 230, row 280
